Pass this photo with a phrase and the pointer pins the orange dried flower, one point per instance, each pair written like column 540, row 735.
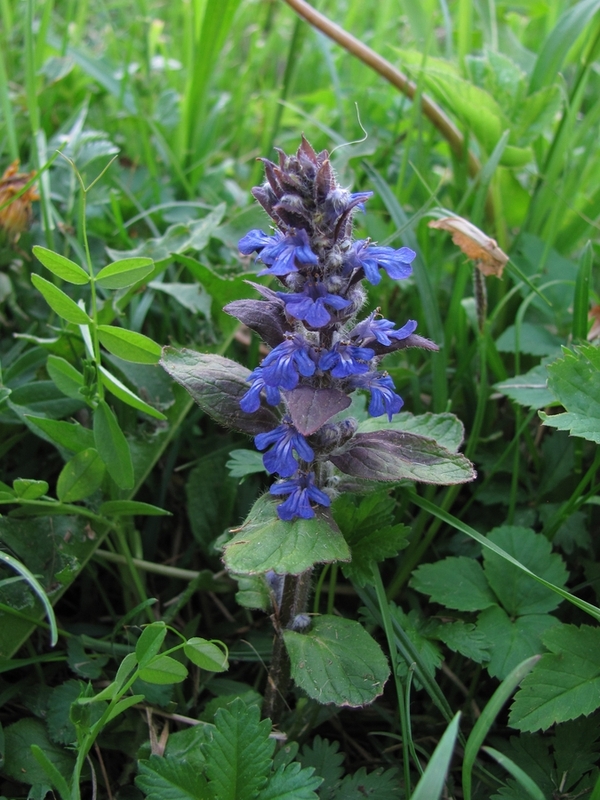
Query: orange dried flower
column 475, row 244
column 16, row 216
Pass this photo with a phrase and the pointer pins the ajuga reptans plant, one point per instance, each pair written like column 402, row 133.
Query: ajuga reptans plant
column 321, row 353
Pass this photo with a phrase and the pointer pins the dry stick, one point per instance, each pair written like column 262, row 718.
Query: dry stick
column 398, row 79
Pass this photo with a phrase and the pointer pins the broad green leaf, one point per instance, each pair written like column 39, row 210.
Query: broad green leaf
column 150, row 642
column 464, row 638
column 446, row 429
column 206, row 654
column 81, row 476
column 518, row 593
column 131, row 508
column 29, row 489
column 124, row 273
column 20, row 764
column 164, row 670
column 170, row 778
column 455, row 582
column 59, row 302
column 129, row 345
column 512, row 640
column 291, row 782
column 121, row 391
column 52, row 773
column 190, row 295
column 575, row 381
column 70, row 435
column 431, row 782
column 264, row 542
column 533, row 340
column 211, row 498
column 238, row 757
column 66, row 378
column 564, row 684
column 112, row 446
column 529, row 390
column 63, row 267
column 337, row 661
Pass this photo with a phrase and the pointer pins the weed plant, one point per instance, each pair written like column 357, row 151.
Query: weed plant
column 144, row 565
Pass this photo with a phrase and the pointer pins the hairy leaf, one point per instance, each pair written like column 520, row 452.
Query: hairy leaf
column 575, row 381
column 311, row 408
column 264, row 317
column 446, row 429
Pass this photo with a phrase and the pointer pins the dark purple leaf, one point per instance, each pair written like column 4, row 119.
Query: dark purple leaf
column 310, row 408
column 217, row 384
column 397, row 455
column 263, row 316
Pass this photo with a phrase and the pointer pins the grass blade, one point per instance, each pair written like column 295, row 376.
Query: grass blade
column 432, row 781
column 38, row 589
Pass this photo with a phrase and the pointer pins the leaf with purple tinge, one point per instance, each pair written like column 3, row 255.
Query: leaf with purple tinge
column 395, row 455
column 217, row 384
column 311, row 408
column 265, row 317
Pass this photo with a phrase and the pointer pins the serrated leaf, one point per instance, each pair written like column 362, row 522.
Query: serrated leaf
column 530, row 389
column 564, row 684
column 291, row 782
column 518, row 593
column 217, row 384
column 464, row 638
column 511, row 641
column 310, row 408
column 66, row 378
column 129, row 345
column 244, row 462
column 81, row 476
column 170, row 778
column 63, row 267
column 150, row 642
column 327, row 761
column 206, row 655
column 239, row 755
column 337, row 661
column 456, row 582
column 124, row 273
column 424, row 651
column 60, row 302
column 533, row 340
column 446, row 429
column 379, row 784
column 112, row 446
column 265, row 542
column 164, row 670
column 211, row 496
column 131, row 508
column 575, row 382
column 70, row 435
column 121, row 391
column 29, row 489
column 395, row 455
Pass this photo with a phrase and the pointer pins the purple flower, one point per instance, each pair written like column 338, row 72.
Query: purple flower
column 280, row 252
column 340, row 201
column 345, row 360
column 381, row 330
column 250, row 402
column 397, row 263
column 286, row 362
column 280, row 458
column 309, row 304
column 384, row 399
column 301, row 491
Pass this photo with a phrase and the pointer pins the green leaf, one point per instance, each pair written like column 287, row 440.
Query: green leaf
column 81, row 476
column 190, row 295
column 37, row 588
column 529, row 390
column 63, row 267
column 265, row 542
column 533, row 340
column 52, row 773
column 529, row 786
column 423, row 651
column 575, row 381
column 511, row 641
column 565, row 682
column 60, row 302
column 456, row 582
column 581, row 300
column 124, row 704
column 131, row 508
column 464, row 638
column 124, row 273
column 431, row 783
column 170, row 778
column 337, row 661
column 446, row 429
column 517, row 592
column 21, row 765
column 112, row 446
column 121, row 391
column 164, row 670
column 291, row 782
column 238, row 756
column 379, row 784
column 29, row 489
column 206, row 654
column 66, row 378
column 150, row 642
column 211, row 497
column 129, row 345
column 70, row 435
column 244, row 462
column 327, row 761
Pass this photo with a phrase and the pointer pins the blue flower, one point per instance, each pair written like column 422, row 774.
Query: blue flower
column 345, row 360
column 250, row 402
column 384, row 399
column 279, row 458
column 397, row 263
column 279, row 252
column 381, row 330
column 309, row 304
column 286, row 362
column 301, row 491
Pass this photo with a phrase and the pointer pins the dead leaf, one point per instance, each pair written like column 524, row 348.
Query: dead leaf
column 483, row 250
